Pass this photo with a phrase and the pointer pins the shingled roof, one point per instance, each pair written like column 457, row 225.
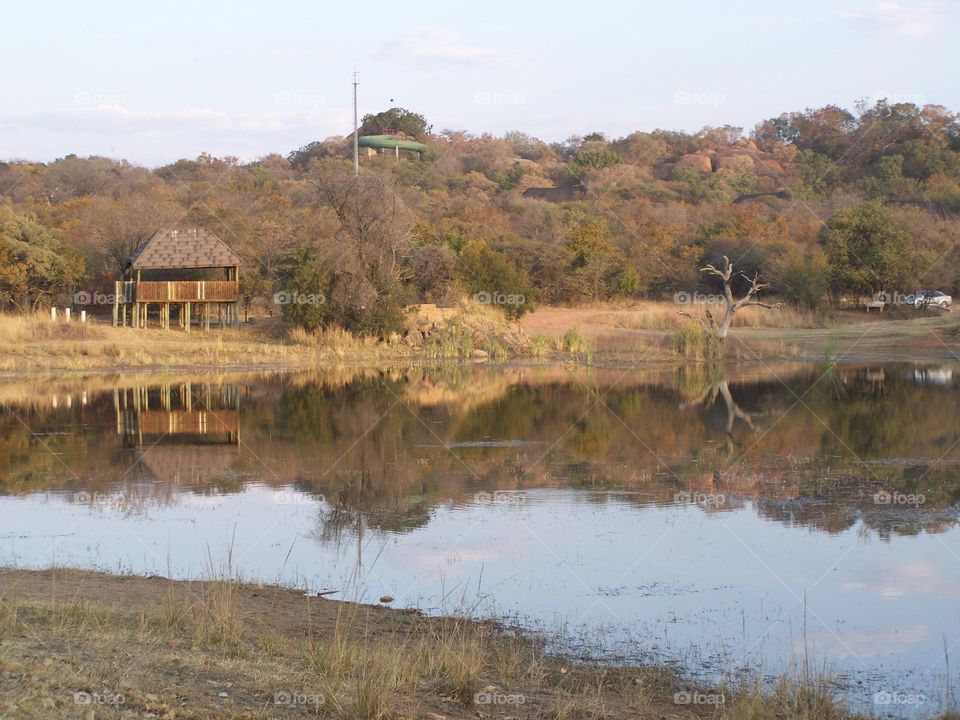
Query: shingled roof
column 181, row 248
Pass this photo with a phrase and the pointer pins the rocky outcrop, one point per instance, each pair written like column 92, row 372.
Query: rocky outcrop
column 701, row 161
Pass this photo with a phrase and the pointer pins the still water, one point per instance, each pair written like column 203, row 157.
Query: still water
column 724, row 523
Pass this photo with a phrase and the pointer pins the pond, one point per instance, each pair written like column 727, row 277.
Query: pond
column 739, row 522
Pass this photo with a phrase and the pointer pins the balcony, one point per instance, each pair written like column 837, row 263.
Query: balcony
column 178, row 291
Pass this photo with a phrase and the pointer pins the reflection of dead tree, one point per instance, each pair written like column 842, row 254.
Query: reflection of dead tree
column 719, row 329
column 734, row 411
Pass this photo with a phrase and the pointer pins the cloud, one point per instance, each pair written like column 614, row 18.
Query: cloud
column 158, row 136
column 432, row 46
column 113, row 118
column 913, row 21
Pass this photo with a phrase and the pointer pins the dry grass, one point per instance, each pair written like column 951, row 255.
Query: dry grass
column 653, row 315
column 225, row 649
column 34, row 342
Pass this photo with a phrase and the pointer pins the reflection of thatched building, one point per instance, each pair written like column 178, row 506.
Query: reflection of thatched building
column 181, row 433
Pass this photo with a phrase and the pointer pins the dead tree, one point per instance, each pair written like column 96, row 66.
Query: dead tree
column 719, row 329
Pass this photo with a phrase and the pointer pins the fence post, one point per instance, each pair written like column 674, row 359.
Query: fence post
column 53, row 314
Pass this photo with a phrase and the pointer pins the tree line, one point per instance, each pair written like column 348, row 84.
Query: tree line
column 819, row 204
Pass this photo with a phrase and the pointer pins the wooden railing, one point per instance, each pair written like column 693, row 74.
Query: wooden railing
column 193, row 422
column 181, row 291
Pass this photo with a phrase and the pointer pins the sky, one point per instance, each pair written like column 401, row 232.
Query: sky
column 155, row 82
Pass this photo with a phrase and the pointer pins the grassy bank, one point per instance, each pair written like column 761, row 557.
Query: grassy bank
column 34, row 342
column 651, row 333
column 78, row 644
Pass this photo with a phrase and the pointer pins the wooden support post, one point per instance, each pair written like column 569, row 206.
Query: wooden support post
column 206, row 316
column 186, row 317
column 116, row 301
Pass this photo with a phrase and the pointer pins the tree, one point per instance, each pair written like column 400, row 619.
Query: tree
column 867, row 249
column 596, row 260
column 719, row 328
column 491, row 278
column 397, row 120
column 369, row 249
column 35, row 265
column 110, row 229
column 303, row 299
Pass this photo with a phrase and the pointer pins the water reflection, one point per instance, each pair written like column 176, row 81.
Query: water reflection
column 814, row 445
column 179, row 433
column 678, row 504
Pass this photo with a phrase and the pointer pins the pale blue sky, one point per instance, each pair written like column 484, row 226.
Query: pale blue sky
column 174, row 79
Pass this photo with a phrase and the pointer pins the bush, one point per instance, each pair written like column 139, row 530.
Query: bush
column 803, row 277
column 303, row 298
column 489, row 273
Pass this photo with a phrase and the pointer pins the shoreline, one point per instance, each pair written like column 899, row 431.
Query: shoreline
column 223, row 648
column 599, row 341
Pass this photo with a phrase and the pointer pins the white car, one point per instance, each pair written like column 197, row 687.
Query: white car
column 932, row 298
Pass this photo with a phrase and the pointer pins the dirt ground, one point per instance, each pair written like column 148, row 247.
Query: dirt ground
column 86, row 645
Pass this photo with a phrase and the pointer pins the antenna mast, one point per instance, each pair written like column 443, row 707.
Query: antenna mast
column 356, row 130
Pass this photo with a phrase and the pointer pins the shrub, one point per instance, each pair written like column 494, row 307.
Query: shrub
column 488, row 272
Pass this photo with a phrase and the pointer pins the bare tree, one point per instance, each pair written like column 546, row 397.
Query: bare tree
column 719, row 329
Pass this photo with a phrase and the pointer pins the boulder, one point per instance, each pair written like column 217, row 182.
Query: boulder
column 697, row 161
column 735, row 163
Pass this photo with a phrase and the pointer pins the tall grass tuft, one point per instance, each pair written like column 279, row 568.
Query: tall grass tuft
column 576, row 345
column 692, row 341
column 540, row 346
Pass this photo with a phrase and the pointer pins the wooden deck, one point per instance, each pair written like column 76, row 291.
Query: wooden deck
column 133, row 298
column 178, row 291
